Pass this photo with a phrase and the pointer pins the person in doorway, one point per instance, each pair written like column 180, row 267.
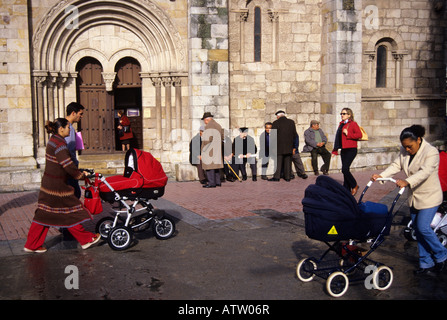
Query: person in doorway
column 124, row 130
column 57, row 205
column 75, row 112
column 348, row 133
column 315, row 143
column 420, row 162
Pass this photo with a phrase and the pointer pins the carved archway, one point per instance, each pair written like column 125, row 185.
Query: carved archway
column 57, row 32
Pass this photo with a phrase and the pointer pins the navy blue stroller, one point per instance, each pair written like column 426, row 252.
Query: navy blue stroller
column 332, row 215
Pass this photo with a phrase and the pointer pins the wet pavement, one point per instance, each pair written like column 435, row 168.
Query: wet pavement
column 241, row 241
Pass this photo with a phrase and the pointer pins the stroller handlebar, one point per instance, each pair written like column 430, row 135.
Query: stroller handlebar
column 91, row 172
column 386, row 179
column 401, row 191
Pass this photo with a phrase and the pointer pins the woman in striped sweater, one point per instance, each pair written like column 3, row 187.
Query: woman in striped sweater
column 57, row 204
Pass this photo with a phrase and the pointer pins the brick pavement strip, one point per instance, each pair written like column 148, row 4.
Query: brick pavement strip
column 232, row 200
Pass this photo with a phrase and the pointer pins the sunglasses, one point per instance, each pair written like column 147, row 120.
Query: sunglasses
column 343, row 113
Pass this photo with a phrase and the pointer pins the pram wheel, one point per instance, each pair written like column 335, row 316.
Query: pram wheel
column 104, row 226
column 120, row 238
column 409, row 232
column 337, row 284
column 163, row 228
column 305, row 270
column 382, row 278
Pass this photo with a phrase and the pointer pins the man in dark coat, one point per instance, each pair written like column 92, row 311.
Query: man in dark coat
column 195, row 147
column 265, row 153
column 286, row 133
column 244, row 150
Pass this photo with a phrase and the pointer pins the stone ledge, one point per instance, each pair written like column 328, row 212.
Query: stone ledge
column 367, row 159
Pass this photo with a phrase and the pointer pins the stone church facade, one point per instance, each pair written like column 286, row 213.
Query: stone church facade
column 166, row 62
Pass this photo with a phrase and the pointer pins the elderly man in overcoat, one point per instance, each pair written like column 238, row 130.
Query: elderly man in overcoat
column 286, row 133
column 212, row 160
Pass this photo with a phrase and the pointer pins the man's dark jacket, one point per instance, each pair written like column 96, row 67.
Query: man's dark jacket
column 286, row 133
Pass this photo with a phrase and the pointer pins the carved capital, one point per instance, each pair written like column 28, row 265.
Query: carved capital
column 109, row 78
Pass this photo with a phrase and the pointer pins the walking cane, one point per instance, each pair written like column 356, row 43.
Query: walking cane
column 233, row 170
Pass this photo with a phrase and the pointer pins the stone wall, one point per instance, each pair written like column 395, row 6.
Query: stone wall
column 17, row 162
column 208, row 45
column 288, row 76
column 414, row 34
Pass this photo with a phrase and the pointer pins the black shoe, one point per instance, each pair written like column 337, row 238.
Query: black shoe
column 263, row 177
column 440, row 267
column 303, row 176
column 254, row 178
column 203, row 181
column 288, row 180
column 424, row 271
column 273, row 179
column 208, row 186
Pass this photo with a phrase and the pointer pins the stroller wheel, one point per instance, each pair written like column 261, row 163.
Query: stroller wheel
column 409, row 232
column 104, row 226
column 305, row 270
column 337, row 284
column 120, row 238
column 442, row 238
column 163, row 228
column 382, row 278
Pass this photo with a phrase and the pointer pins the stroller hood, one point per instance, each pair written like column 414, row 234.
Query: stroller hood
column 142, row 165
column 329, row 199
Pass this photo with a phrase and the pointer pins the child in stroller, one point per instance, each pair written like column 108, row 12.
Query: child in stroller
column 143, row 180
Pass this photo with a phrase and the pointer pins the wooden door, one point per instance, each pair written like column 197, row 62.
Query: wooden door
column 97, row 125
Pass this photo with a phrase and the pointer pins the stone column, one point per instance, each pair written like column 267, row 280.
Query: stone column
column 61, row 81
column 371, row 58
column 40, row 80
column 167, row 83
column 342, row 66
column 398, row 57
column 156, row 81
column 243, row 16
column 274, row 18
column 177, row 81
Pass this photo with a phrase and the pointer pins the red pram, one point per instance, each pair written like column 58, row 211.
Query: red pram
column 143, row 178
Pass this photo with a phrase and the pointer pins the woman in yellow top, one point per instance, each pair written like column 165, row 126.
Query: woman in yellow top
column 420, row 162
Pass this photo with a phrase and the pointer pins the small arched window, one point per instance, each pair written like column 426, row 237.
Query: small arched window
column 381, row 67
column 257, row 35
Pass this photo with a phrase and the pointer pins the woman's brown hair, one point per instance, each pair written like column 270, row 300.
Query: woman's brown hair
column 53, row 127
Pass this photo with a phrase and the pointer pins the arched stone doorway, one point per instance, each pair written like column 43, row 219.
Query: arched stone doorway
column 109, row 31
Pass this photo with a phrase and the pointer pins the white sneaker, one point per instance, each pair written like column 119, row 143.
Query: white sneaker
column 95, row 240
column 38, row 250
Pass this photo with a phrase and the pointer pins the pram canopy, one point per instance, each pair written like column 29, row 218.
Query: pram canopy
column 331, row 213
column 143, row 177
